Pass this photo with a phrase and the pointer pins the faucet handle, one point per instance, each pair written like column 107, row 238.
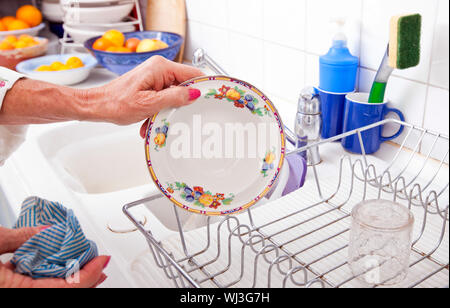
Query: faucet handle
column 201, row 59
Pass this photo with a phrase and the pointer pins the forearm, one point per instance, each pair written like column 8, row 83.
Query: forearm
column 36, row 102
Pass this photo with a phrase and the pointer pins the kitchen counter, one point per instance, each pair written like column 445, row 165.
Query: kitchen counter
column 30, row 173
column 96, row 168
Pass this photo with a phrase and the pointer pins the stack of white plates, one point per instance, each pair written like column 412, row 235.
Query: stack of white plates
column 89, row 18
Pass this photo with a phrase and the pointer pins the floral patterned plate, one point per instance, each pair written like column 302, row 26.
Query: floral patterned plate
column 220, row 155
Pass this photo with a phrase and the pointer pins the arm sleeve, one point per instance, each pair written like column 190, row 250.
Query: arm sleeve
column 11, row 136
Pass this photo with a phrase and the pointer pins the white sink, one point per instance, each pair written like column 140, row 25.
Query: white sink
column 96, row 158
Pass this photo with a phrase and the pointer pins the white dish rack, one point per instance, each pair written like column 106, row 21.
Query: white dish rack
column 301, row 240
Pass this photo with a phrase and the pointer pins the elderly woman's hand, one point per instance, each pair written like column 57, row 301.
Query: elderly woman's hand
column 10, row 240
column 143, row 92
column 131, row 98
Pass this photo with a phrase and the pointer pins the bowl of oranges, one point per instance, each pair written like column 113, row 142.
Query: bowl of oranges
column 15, row 49
column 121, row 52
column 68, row 69
column 28, row 20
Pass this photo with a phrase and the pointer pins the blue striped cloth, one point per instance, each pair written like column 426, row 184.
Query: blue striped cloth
column 56, row 252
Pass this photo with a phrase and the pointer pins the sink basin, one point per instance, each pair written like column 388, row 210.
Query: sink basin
column 96, row 158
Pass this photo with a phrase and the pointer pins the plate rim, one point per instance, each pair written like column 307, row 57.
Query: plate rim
column 266, row 190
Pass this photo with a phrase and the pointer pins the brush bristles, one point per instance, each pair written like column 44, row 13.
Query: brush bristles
column 404, row 44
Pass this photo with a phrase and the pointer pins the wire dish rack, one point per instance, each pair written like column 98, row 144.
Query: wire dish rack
column 301, row 240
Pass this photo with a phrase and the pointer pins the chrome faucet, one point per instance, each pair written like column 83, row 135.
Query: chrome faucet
column 308, row 124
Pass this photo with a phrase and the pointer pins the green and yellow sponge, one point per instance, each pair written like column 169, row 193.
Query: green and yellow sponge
column 404, row 43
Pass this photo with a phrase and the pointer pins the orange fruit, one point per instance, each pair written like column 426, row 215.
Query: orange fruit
column 7, row 20
column 124, row 50
column 132, row 44
column 112, row 49
column 5, row 45
column 102, row 44
column 2, row 26
column 29, row 14
column 17, row 25
column 115, row 37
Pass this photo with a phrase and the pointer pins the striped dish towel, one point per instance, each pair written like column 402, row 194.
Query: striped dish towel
column 57, row 252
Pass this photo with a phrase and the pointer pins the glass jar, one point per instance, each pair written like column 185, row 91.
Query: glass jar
column 380, row 242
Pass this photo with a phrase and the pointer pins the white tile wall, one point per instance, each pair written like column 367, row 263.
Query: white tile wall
column 275, row 45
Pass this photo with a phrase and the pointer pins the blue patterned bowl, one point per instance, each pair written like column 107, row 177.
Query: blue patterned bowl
column 121, row 63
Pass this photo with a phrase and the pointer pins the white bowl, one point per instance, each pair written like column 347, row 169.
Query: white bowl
column 81, row 34
column 66, row 78
column 52, row 11
column 97, row 15
column 30, row 31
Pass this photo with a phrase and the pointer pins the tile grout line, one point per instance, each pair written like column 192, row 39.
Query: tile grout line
column 305, row 42
column 360, row 42
column 433, row 41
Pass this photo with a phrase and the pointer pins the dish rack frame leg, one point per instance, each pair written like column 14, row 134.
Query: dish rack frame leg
column 265, row 247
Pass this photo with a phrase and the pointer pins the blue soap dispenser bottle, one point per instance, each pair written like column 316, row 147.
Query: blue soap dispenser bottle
column 338, row 68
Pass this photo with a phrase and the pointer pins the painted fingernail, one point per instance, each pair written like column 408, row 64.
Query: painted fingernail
column 107, row 262
column 194, row 94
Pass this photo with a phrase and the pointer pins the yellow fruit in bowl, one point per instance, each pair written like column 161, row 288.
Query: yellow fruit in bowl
column 17, row 25
column 74, row 62
column 29, row 14
column 5, row 45
column 124, row 50
column 26, row 38
column 102, row 44
column 11, row 39
column 112, row 49
column 20, row 45
column 44, row 68
column 148, row 45
column 132, row 44
column 56, row 66
column 7, row 20
column 115, row 37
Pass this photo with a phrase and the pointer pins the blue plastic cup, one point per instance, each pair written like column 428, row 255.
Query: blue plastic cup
column 332, row 112
column 359, row 113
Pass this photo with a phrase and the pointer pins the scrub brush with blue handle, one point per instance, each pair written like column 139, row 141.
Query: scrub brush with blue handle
column 403, row 52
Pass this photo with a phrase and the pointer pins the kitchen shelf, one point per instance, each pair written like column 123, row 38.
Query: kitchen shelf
column 301, row 240
column 67, row 42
